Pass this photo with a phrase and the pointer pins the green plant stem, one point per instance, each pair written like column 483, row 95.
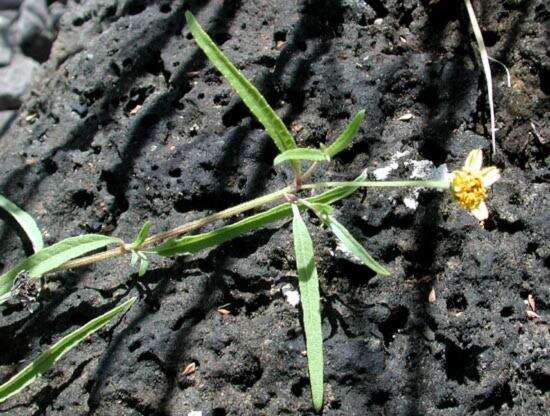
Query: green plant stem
column 380, row 184
column 182, row 229
column 238, row 209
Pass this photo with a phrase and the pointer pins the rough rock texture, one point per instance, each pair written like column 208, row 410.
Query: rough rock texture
column 15, row 79
column 5, row 48
column 27, row 31
column 6, row 118
column 128, row 122
column 34, row 31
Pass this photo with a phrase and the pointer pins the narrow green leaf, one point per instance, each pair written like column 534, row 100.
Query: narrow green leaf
column 195, row 243
column 48, row 358
column 311, row 305
column 354, row 247
column 52, row 257
column 301, row 154
column 321, row 210
column 142, row 235
column 26, row 222
column 248, row 93
column 143, row 264
column 134, row 258
column 325, row 209
column 347, row 136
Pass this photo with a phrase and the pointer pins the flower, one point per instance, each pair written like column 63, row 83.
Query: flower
column 469, row 184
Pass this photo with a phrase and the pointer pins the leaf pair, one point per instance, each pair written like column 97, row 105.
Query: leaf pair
column 141, row 258
column 49, row 357
column 319, row 155
column 309, row 287
column 137, row 255
column 262, row 110
column 248, row 93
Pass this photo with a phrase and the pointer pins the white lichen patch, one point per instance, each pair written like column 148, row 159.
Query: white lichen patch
column 419, row 169
column 292, row 296
column 411, row 201
column 426, row 170
column 384, row 172
column 399, row 155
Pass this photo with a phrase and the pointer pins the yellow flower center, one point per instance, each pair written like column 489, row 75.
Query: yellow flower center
column 467, row 188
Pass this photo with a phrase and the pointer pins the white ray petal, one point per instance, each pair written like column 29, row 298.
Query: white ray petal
column 489, row 176
column 474, row 161
column 480, row 212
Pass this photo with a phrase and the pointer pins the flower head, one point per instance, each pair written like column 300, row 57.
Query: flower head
column 469, row 184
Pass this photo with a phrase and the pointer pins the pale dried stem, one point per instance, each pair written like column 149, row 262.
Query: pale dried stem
column 486, row 67
column 310, row 171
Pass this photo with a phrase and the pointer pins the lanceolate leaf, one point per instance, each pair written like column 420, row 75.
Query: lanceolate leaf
column 354, row 247
column 143, row 264
column 134, row 258
column 142, row 235
column 26, row 222
column 198, row 242
column 48, row 358
column 195, row 243
column 311, row 305
column 141, row 258
column 323, row 210
column 248, row 93
column 347, row 136
column 52, row 257
column 301, row 154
